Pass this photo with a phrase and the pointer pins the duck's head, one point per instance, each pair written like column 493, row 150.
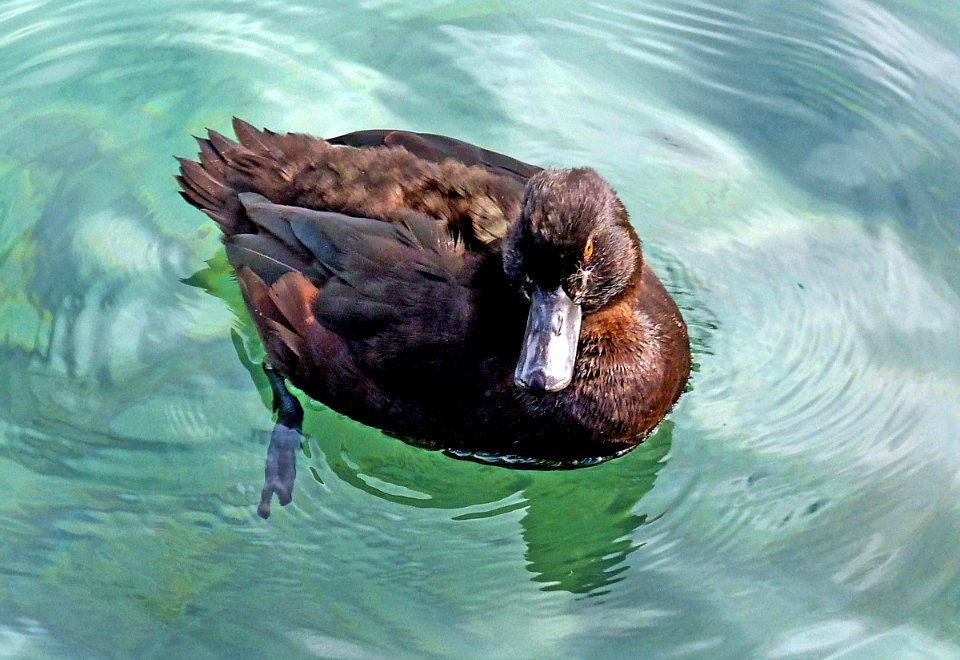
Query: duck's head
column 571, row 252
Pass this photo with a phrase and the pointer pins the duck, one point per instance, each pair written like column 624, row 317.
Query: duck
column 451, row 296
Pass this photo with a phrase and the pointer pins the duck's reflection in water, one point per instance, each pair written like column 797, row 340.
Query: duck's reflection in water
column 579, row 530
column 577, row 525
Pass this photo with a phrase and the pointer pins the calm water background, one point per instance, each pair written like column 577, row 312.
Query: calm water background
column 793, row 169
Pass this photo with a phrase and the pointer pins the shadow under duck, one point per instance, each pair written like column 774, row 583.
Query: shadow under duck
column 446, row 294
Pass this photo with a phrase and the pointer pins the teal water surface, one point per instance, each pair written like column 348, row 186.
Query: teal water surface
column 793, row 170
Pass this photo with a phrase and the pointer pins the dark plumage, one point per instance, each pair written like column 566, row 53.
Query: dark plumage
column 390, row 275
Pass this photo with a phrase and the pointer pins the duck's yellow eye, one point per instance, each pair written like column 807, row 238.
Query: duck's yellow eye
column 588, row 249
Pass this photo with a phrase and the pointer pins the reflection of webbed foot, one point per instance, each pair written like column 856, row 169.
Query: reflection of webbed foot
column 280, row 469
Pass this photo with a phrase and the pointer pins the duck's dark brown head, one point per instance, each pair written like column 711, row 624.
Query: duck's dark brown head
column 571, row 252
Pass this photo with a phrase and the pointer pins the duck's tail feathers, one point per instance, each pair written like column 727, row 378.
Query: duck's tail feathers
column 203, row 183
column 226, row 168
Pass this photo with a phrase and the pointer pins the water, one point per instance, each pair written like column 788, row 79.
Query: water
column 792, row 168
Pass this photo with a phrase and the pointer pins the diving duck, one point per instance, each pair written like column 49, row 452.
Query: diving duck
column 449, row 295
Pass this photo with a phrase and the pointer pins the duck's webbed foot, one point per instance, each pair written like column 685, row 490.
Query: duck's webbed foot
column 280, row 469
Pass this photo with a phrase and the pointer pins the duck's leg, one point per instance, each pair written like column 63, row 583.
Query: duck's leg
column 280, row 469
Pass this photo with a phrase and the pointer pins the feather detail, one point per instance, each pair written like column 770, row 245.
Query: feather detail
column 292, row 295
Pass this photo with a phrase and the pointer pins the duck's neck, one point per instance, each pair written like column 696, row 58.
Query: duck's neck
column 632, row 361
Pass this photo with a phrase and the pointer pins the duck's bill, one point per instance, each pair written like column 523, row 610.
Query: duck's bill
column 550, row 342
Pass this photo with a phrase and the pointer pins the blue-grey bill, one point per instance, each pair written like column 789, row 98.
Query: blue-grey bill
column 550, row 343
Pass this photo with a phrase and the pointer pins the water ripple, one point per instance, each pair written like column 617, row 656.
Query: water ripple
column 795, row 373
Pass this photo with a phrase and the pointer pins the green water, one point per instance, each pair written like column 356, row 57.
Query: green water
column 793, row 170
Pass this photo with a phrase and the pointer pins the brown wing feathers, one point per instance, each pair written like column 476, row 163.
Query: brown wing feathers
column 282, row 344
column 284, row 320
column 279, row 201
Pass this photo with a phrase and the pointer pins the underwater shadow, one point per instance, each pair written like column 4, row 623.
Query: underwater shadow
column 578, row 525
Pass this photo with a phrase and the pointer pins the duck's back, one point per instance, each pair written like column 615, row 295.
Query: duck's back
column 382, row 175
